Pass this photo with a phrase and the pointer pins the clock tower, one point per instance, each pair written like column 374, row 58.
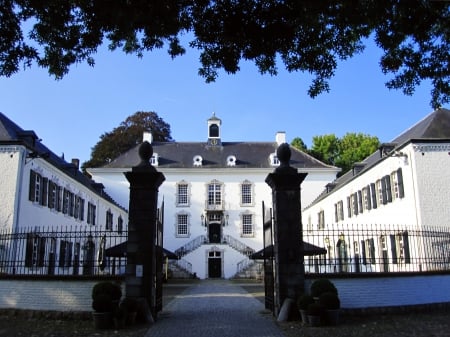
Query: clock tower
column 214, row 124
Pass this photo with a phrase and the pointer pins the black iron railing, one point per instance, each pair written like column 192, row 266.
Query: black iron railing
column 62, row 251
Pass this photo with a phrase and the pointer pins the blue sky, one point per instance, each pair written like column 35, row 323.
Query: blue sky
column 70, row 115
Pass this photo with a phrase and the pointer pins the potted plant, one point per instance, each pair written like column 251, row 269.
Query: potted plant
column 303, row 302
column 332, row 305
column 105, row 299
column 315, row 312
column 323, row 285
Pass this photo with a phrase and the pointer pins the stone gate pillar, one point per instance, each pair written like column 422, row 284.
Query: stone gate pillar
column 285, row 182
column 141, row 263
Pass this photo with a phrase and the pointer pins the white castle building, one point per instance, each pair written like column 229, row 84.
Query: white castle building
column 396, row 201
column 213, row 194
column 43, row 197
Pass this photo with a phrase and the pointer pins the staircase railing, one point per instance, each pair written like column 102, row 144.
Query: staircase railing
column 191, row 246
column 238, row 245
column 183, row 264
column 244, row 264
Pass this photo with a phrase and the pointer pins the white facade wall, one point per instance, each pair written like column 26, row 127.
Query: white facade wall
column 10, row 157
column 426, row 187
column 34, row 215
column 198, row 179
column 432, row 182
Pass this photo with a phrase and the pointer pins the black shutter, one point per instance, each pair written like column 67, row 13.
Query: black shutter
column 363, row 252
column 369, row 199
column 349, row 207
column 372, row 251
column 393, row 249
column 374, row 195
column 29, row 250
column 44, row 192
column 32, row 187
column 336, row 219
column 41, row 259
column 406, row 247
column 401, row 191
column 62, row 253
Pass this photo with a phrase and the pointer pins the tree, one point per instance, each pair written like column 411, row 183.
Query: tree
column 325, row 148
column 306, row 36
column 343, row 152
column 299, row 144
column 127, row 135
column 354, row 147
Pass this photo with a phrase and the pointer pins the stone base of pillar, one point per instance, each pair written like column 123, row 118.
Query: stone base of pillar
column 289, row 311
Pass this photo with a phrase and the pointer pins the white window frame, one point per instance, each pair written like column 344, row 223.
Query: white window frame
column 394, row 186
column 214, row 193
column 321, row 219
column 247, row 193
column 182, row 225
column 247, row 225
column 180, row 197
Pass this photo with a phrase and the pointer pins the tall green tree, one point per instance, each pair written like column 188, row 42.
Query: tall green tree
column 343, row 152
column 298, row 143
column 127, row 135
column 354, row 147
column 325, row 148
column 304, row 36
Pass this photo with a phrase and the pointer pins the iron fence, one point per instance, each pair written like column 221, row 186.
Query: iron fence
column 378, row 248
column 62, row 251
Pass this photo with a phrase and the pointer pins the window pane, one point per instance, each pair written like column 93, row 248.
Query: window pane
column 246, row 191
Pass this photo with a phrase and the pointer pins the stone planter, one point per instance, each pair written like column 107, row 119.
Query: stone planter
column 102, row 320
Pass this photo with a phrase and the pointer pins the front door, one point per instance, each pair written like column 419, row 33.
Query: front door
column 215, row 230
column 214, row 265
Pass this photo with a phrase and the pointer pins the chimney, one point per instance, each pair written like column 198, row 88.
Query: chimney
column 76, row 163
column 280, row 137
column 147, row 136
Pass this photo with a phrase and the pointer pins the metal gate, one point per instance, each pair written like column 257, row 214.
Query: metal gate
column 269, row 271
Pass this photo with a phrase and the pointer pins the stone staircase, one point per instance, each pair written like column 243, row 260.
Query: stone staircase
column 180, row 269
column 249, row 269
column 203, row 240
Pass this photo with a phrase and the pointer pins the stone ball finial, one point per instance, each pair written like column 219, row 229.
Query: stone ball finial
column 145, row 153
column 284, row 154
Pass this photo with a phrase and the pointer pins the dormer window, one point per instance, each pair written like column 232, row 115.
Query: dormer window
column 154, row 159
column 274, row 161
column 231, row 161
column 197, row 161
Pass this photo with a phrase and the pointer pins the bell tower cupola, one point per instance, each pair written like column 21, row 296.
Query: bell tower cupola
column 214, row 125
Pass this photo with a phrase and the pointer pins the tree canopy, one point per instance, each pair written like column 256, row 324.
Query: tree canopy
column 305, row 36
column 127, row 135
column 341, row 152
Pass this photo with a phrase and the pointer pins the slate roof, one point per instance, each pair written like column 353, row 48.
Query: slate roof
column 12, row 134
column 248, row 155
column 434, row 127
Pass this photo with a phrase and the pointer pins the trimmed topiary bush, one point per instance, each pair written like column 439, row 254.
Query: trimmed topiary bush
column 330, row 301
column 323, row 285
column 304, row 301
